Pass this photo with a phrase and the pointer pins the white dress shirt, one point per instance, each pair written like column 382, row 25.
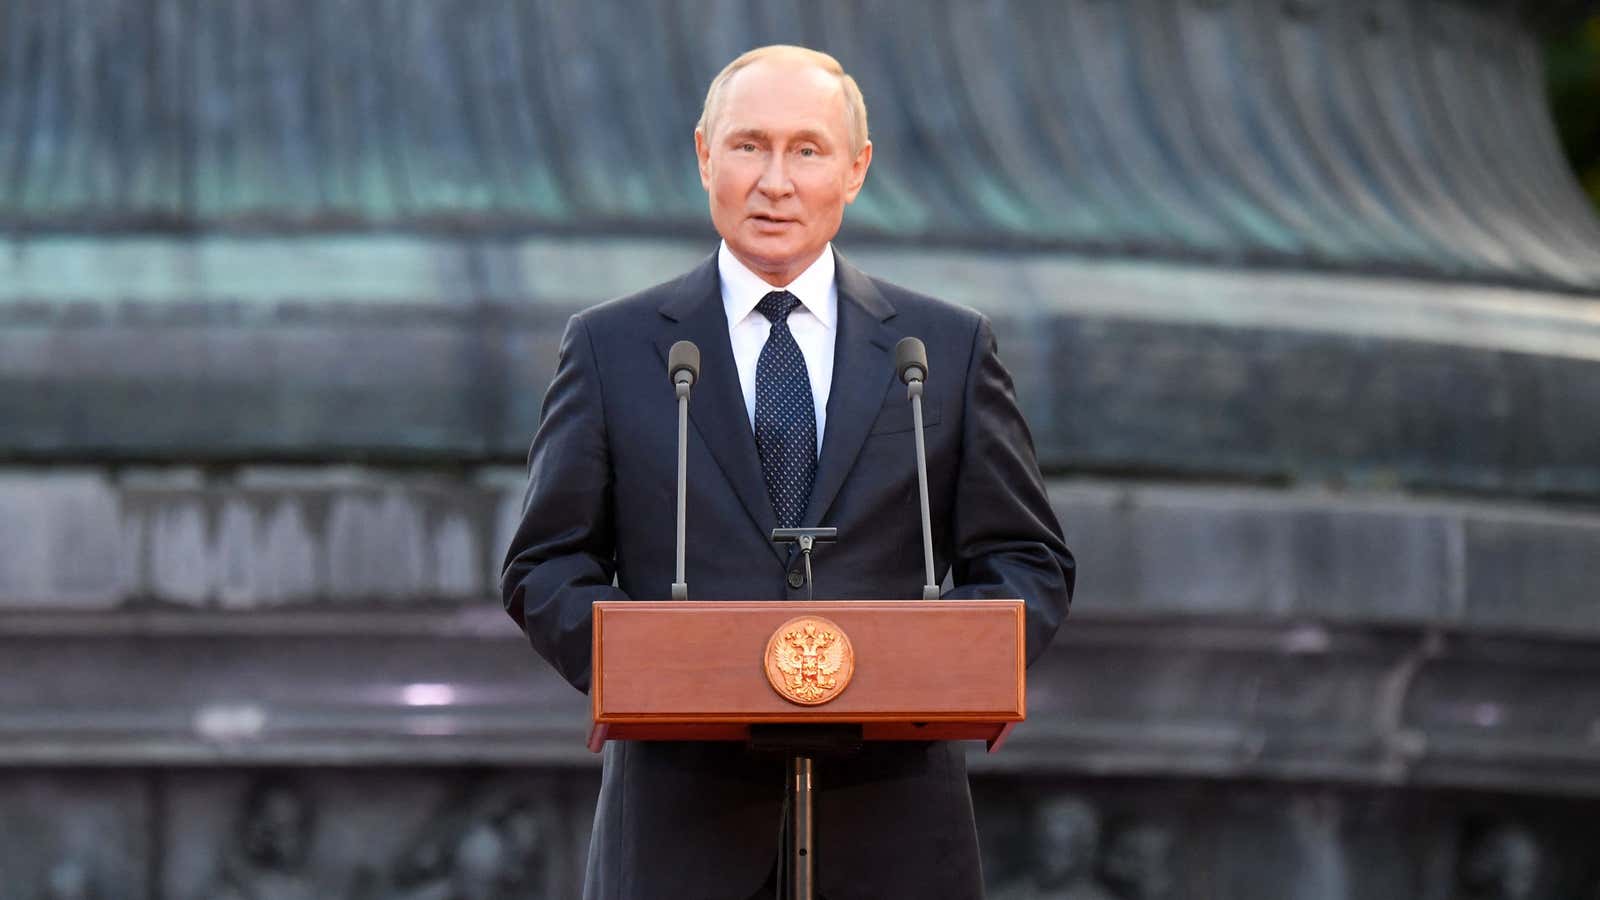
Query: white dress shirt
column 813, row 323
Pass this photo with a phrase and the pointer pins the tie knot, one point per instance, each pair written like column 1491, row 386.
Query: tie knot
column 777, row 305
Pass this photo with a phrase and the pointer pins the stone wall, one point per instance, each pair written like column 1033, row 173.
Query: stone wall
column 407, row 834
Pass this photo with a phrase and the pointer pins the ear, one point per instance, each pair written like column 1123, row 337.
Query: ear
column 702, row 152
column 858, row 173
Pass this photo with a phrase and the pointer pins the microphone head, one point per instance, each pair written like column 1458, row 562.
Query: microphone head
column 911, row 360
column 683, row 363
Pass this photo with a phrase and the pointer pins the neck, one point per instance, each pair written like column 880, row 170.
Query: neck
column 781, row 277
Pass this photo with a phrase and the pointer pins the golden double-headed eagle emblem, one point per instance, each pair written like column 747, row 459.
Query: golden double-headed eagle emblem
column 809, row 660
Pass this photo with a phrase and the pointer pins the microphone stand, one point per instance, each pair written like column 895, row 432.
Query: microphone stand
column 683, row 365
column 911, row 363
column 680, row 586
column 930, row 590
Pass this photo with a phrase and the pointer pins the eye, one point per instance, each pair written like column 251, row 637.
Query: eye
column 747, row 147
column 808, row 151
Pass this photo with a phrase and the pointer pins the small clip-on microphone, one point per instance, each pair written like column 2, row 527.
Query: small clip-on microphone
column 683, row 366
column 911, row 363
column 808, row 539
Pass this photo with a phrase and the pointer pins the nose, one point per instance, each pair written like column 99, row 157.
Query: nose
column 775, row 181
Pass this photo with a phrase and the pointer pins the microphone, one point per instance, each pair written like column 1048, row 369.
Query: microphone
column 911, row 363
column 808, row 539
column 683, row 364
column 911, row 360
column 683, row 367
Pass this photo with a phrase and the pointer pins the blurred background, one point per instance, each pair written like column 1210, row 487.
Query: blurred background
column 1302, row 299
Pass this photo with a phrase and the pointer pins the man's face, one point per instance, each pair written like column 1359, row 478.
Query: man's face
column 777, row 165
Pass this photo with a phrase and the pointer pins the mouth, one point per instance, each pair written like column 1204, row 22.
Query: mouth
column 767, row 219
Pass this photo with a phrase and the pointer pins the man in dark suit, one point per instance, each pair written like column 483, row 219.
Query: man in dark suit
column 798, row 419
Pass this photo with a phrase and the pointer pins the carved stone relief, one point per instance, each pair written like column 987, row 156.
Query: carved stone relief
column 475, row 834
column 1062, row 853
column 387, row 835
column 1502, row 861
column 1191, row 840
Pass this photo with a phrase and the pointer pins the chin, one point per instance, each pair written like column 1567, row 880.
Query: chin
column 774, row 256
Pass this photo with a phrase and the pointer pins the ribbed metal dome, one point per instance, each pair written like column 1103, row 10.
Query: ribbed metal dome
column 1385, row 136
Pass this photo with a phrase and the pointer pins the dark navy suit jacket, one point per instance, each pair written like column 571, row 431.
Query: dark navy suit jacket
column 693, row 820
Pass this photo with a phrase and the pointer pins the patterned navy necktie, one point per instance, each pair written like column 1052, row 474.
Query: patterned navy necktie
column 786, row 417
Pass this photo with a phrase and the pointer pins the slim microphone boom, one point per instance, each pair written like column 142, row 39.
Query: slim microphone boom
column 911, row 363
column 683, row 366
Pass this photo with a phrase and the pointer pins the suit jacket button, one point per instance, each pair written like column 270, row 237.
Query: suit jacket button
column 797, row 579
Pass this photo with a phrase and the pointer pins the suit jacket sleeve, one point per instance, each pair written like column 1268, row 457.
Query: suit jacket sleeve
column 1007, row 543
column 562, row 557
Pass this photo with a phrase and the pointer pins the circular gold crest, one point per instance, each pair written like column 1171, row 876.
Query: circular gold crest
column 809, row 660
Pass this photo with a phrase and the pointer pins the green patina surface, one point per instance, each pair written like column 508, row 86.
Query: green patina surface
column 1314, row 138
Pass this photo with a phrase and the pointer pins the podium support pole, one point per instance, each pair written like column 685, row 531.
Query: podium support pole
column 801, row 829
column 801, row 746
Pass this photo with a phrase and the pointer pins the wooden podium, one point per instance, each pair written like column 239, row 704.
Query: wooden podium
column 807, row 674
column 947, row 670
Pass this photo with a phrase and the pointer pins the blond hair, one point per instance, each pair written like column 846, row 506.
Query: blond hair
column 855, row 106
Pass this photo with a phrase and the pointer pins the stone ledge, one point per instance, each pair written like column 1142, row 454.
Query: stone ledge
column 391, row 539
column 217, row 351
column 1332, row 556
column 1139, row 696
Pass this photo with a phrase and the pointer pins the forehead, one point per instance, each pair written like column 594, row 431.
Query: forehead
column 779, row 95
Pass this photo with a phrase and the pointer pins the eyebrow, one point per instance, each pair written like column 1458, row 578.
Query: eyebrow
column 804, row 134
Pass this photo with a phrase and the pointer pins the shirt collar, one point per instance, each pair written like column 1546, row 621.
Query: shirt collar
column 742, row 289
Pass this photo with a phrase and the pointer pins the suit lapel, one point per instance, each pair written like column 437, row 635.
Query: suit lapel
column 863, row 369
column 716, row 406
